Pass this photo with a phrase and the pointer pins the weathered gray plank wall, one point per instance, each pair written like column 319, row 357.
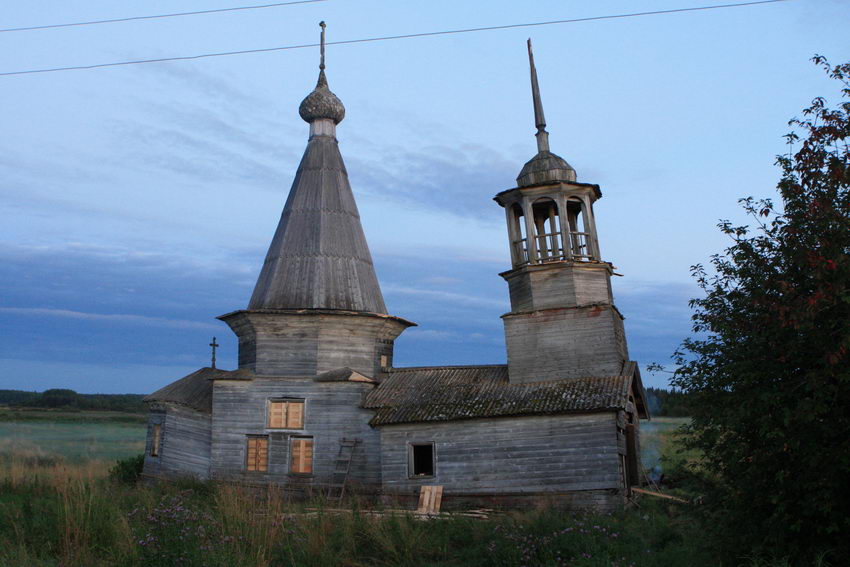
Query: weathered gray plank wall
column 308, row 343
column 331, row 412
column 514, row 455
column 557, row 344
column 550, row 286
column 184, row 446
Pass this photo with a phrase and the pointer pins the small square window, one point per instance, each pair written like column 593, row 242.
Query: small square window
column 286, row 414
column 421, row 459
column 257, row 454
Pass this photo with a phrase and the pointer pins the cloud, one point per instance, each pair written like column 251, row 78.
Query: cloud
column 457, row 181
column 460, row 298
column 112, row 318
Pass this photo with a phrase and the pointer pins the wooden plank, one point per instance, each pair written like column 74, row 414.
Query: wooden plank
column 277, row 412
column 295, row 415
column 659, row 495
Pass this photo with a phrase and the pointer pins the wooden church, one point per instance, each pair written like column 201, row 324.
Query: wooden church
column 317, row 404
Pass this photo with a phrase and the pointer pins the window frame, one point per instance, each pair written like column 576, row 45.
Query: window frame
column 298, row 438
column 156, row 440
column 258, row 465
column 287, row 402
column 411, row 464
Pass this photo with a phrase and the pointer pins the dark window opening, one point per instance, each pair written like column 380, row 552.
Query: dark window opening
column 422, row 460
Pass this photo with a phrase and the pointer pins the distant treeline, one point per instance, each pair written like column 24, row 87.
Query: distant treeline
column 670, row 403
column 69, row 399
column 661, row 402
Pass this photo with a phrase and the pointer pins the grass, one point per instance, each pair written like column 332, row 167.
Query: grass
column 18, row 414
column 74, row 515
column 99, row 438
column 58, row 506
column 657, row 440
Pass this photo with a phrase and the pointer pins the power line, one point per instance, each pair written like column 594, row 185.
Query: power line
column 388, row 38
column 133, row 18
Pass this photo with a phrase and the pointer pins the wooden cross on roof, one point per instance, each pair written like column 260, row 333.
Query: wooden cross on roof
column 214, row 346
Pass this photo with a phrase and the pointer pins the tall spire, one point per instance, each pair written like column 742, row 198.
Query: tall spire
column 545, row 167
column 539, row 119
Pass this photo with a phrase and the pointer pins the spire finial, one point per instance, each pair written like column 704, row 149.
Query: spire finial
column 539, row 120
column 322, row 46
column 321, row 103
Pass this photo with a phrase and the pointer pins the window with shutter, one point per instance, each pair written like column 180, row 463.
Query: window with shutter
column 301, row 455
column 257, row 454
column 286, row 414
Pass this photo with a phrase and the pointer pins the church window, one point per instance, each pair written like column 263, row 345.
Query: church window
column 286, row 414
column 257, row 455
column 420, row 459
column 156, row 433
column 301, row 455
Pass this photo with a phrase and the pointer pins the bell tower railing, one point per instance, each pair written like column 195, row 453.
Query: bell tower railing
column 550, row 249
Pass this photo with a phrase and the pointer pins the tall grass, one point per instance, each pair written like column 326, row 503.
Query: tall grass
column 55, row 513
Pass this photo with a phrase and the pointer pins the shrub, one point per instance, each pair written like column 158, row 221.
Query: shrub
column 128, row 470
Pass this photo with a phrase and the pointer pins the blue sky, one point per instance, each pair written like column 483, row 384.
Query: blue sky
column 138, row 202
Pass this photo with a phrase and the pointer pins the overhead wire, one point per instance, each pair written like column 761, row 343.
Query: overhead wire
column 158, row 16
column 389, row 38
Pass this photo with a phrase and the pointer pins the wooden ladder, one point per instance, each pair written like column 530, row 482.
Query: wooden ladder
column 342, row 466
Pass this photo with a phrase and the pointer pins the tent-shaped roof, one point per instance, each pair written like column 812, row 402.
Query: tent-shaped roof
column 318, row 258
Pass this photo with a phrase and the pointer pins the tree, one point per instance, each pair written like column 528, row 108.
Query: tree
column 768, row 368
column 58, row 398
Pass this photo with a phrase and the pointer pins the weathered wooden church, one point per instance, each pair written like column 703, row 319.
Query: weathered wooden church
column 317, row 402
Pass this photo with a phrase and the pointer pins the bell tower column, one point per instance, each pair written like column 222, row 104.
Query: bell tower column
column 563, row 323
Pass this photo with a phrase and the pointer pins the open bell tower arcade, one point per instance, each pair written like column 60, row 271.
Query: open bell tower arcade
column 563, row 323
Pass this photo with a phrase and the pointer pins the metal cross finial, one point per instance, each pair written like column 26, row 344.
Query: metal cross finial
column 539, row 119
column 322, row 46
column 214, row 345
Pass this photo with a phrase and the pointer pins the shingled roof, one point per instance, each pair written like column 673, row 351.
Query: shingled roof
column 448, row 393
column 195, row 390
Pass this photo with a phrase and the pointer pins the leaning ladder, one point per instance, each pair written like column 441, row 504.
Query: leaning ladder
column 339, row 478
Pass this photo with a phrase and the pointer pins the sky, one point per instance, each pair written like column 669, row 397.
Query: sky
column 137, row 202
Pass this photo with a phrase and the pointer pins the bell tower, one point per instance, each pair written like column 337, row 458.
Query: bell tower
column 563, row 323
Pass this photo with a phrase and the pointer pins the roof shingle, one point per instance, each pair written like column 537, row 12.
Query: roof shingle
column 449, row 393
column 195, row 390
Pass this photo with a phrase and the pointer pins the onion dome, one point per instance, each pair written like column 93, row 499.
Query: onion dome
column 545, row 168
column 322, row 103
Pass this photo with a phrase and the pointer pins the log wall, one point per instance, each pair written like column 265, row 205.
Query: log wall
column 184, row 444
column 507, row 457
column 558, row 344
column 331, row 412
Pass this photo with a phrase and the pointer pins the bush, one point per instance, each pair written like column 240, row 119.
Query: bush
column 767, row 369
column 128, row 470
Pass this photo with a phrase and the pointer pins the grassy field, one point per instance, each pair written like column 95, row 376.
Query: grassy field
column 73, row 515
column 72, row 436
column 58, row 506
column 658, row 440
